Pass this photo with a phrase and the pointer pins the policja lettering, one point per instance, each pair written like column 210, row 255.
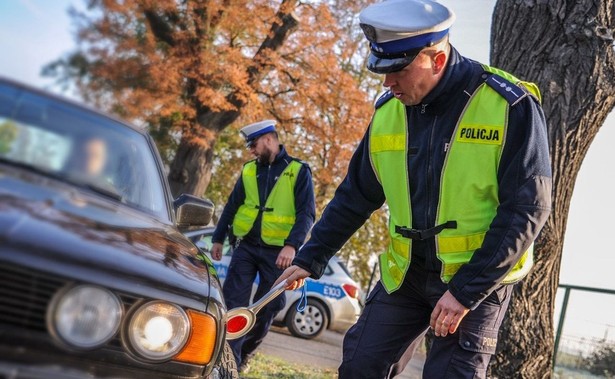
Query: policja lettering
column 481, row 134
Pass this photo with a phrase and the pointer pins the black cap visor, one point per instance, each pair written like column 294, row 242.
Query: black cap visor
column 388, row 63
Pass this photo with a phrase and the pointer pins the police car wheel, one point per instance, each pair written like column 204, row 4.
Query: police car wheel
column 310, row 323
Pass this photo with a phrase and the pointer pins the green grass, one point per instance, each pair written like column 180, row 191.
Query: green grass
column 263, row 366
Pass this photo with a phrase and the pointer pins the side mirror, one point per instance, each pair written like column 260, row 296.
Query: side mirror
column 191, row 211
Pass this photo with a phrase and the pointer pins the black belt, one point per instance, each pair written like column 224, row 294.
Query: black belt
column 423, row 234
column 263, row 209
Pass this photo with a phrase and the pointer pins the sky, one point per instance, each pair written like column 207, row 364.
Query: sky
column 36, row 32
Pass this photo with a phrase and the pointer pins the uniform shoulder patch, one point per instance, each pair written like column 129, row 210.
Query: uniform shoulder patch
column 508, row 90
column 388, row 95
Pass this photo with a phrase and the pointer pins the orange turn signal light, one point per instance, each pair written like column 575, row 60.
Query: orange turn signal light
column 202, row 340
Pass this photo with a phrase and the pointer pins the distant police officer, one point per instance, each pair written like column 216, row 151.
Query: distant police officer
column 458, row 150
column 270, row 210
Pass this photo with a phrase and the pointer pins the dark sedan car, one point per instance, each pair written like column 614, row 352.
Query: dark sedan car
column 96, row 278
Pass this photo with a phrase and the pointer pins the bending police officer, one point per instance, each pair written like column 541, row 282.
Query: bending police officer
column 458, row 151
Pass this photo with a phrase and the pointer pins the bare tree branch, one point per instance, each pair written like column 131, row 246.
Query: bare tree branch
column 278, row 33
column 161, row 29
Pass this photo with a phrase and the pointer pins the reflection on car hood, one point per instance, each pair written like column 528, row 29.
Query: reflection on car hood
column 56, row 228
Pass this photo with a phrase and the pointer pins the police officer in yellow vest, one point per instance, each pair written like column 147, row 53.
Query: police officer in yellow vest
column 270, row 210
column 458, row 151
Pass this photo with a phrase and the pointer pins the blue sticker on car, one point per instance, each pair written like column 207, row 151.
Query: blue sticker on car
column 328, row 290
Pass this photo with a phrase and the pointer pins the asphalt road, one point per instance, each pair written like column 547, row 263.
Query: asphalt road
column 324, row 351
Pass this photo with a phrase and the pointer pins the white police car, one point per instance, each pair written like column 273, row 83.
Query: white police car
column 332, row 301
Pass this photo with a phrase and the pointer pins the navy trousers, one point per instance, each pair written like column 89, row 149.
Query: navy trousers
column 246, row 262
column 382, row 341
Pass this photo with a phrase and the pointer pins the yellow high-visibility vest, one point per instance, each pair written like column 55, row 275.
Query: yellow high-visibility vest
column 279, row 210
column 468, row 185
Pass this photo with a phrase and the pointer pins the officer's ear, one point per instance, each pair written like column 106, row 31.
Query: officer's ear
column 268, row 138
column 438, row 61
column 272, row 138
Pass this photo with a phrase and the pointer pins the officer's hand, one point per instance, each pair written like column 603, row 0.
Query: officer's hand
column 294, row 275
column 447, row 315
column 216, row 251
column 285, row 257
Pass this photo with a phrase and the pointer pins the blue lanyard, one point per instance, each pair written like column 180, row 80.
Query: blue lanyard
column 303, row 300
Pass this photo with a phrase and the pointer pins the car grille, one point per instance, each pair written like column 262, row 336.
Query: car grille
column 24, row 296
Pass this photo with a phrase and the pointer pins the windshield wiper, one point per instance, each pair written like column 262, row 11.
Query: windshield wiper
column 35, row 169
column 70, row 179
column 105, row 189
column 108, row 192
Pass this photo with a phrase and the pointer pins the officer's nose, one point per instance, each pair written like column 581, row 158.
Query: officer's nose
column 389, row 80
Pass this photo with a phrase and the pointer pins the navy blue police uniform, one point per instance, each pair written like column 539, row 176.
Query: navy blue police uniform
column 377, row 345
column 253, row 256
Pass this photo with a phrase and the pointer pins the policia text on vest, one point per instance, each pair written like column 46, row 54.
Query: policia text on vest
column 481, row 134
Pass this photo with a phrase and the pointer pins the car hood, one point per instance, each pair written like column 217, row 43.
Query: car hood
column 57, row 228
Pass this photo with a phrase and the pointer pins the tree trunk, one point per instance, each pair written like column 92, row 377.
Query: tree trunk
column 190, row 171
column 566, row 47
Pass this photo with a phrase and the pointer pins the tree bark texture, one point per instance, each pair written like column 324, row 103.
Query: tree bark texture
column 566, row 47
column 190, row 171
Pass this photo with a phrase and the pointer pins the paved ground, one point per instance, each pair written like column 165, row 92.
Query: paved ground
column 324, row 351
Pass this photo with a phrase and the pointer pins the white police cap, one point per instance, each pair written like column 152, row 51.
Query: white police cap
column 399, row 29
column 253, row 131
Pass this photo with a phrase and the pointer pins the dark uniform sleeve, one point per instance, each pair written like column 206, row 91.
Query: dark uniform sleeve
column 524, row 179
column 355, row 199
column 237, row 197
column 305, row 209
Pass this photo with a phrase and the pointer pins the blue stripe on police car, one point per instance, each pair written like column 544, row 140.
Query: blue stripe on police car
column 327, row 290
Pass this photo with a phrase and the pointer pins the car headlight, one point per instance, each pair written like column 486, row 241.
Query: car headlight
column 158, row 330
column 85, row 316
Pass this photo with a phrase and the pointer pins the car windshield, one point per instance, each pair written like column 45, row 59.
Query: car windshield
column 79, row 147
